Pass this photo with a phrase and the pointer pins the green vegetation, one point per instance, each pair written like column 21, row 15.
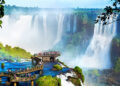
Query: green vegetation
column 7, row 52
column 62, row 63
column 117, row 66
column 57, row 67
column 2, row 65
column 48, row 81
column 79, row 72
column 115, row 53
column 1, row 10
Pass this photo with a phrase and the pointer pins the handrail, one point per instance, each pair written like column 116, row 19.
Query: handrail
column 5, row 74
column 30, row 70
column 23, row 79
column 47, row 55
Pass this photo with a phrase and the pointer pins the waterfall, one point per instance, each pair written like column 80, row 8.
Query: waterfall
column 45, row 29
column 97, row 54
column 68, row 24
column 60, row 28
column 74, row 24
column 34, row 33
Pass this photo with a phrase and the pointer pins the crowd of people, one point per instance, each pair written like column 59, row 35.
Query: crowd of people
column 48, row 53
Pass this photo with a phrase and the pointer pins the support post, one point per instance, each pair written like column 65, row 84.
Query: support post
column 40, row 72
column 15, row 84
column 32, row 83
column 0, row 79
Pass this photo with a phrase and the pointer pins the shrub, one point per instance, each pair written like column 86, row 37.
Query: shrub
column 78, row 70
column 58, row 67
column 48, row 81
column 75, row 81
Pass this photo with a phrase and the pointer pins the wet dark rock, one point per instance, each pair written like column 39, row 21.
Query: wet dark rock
column 115, row 50
column 74, row 80
column 110, row 77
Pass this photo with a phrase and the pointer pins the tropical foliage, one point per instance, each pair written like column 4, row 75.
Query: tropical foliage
column 57, row 67
column 117, row 65
column 109, row 10
column 79, row 72
column 48, row 81
column 1, row 10
column 7, row 52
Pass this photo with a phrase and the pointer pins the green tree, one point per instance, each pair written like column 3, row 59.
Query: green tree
column 1, row 46
column 78, row 70
column 108, row 10
column 7, row 48
column 1, row 10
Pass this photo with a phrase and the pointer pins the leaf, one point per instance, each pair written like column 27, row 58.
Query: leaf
column 0, row 5
column 0, row 22
column 3, row 2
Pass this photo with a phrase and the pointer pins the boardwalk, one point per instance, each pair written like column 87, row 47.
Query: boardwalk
column 5, row 75
column 23, row 79
column 15, row 78
column 40, row 67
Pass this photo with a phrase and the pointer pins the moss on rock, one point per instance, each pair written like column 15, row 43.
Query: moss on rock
column 79, row 73
column 57, row 67
column 75, row 81
column 48, row 81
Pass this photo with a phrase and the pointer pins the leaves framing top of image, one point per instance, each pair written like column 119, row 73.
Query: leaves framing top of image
column 108, row 11
column 2, row 2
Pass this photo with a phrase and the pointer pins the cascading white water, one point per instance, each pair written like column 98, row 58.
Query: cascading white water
column 97, row 54
column 45, row 29
column 60, row 25
column 32, row 32
column 75, row 25
column 68, row 24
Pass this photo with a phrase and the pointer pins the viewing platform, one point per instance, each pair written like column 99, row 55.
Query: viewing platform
column 49, row 54
column 42, row 57
column 15, row 77
column 26, row 75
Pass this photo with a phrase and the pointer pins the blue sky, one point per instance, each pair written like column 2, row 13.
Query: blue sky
column 60, row 3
